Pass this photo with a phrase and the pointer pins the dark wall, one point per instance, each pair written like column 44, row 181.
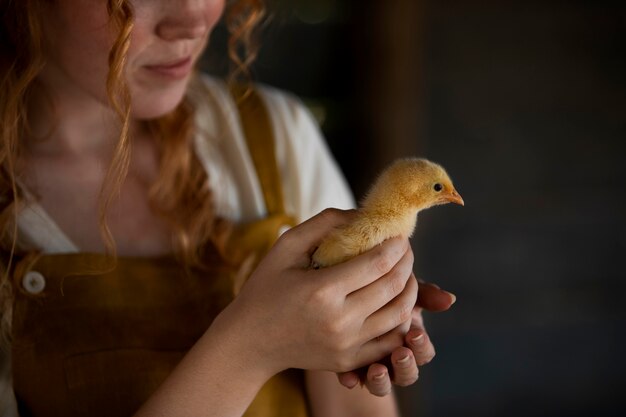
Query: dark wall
column 525, row 104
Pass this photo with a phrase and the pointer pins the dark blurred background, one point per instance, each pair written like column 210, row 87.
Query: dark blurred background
column 524, row 102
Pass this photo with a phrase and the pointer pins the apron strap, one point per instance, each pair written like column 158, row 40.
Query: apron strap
column 250, row 242
column 257, row 129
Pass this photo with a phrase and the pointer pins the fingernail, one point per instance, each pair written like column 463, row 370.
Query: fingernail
column 451, row 295
column 418, row 340
column 403, row 361
column 379, row 377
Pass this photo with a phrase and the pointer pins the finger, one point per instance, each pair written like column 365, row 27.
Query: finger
column 348, row 379
column 378, row 381
column 433, row 298
column 405, row 370
column 417, row 320
column 421, row 346
column 380, row 292
column 392, row 315
column 369, row 266
column 376, row 350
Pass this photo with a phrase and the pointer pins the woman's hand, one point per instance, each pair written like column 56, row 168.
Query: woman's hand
column 404, row 360
column 291, row 316
column 337, row 318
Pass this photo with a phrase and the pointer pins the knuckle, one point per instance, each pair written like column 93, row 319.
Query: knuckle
column 396, row 285
column 287, row 238
column 331, row 211
column 409, row 292
column 332, row 326
column 335, row 333
column 320, row 296
column 411, row 256
column 404, row 313
column 331, row 214
column 343, row 364
column 382, row 262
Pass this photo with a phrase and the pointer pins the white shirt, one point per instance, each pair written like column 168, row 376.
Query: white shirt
column 311, row 178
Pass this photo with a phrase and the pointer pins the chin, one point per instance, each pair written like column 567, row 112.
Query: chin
column 156, row 104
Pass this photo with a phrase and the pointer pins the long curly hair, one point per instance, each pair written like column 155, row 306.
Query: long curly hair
column 180, row 193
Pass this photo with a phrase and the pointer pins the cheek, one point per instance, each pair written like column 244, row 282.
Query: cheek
column 77, row 40
column 214, row 11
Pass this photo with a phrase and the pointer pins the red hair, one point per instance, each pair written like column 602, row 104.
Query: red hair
column 180, row 194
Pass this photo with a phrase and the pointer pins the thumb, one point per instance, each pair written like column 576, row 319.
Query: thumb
column 307, row 236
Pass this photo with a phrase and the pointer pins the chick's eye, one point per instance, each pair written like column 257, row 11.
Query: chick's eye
column 438, row 187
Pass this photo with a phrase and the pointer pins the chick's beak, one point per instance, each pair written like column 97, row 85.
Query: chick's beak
column 454, row 197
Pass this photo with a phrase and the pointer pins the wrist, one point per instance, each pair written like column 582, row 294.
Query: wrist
column 221, row 372
column 241, row 346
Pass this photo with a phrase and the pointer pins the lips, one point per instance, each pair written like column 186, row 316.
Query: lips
column 177, row 69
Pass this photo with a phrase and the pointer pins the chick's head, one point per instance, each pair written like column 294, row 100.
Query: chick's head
column 413, row 183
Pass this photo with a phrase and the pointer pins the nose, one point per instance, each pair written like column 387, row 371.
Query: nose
column 185, row 19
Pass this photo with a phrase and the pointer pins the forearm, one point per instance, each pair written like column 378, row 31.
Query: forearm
column 328, row 398
column 218, row 377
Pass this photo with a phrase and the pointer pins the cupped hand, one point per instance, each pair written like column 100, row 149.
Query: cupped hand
column 401, row 367
column 338, row 318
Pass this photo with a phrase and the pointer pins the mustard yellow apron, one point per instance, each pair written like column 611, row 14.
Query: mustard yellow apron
column 94, row 344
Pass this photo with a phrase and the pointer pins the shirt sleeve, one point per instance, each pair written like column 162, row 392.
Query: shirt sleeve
column 312, row 180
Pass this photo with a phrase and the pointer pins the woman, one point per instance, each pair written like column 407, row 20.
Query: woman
column 184, row 214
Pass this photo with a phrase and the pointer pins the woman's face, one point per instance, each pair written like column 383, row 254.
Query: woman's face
column 167, row 38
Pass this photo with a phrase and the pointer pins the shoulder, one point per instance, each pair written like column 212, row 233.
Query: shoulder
column 281, row 102
column 312, row 179
column 295, row 131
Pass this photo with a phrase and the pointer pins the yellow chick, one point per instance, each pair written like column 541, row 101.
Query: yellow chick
column 389, row 209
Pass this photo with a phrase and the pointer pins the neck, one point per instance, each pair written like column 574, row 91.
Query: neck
column 66, row 120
